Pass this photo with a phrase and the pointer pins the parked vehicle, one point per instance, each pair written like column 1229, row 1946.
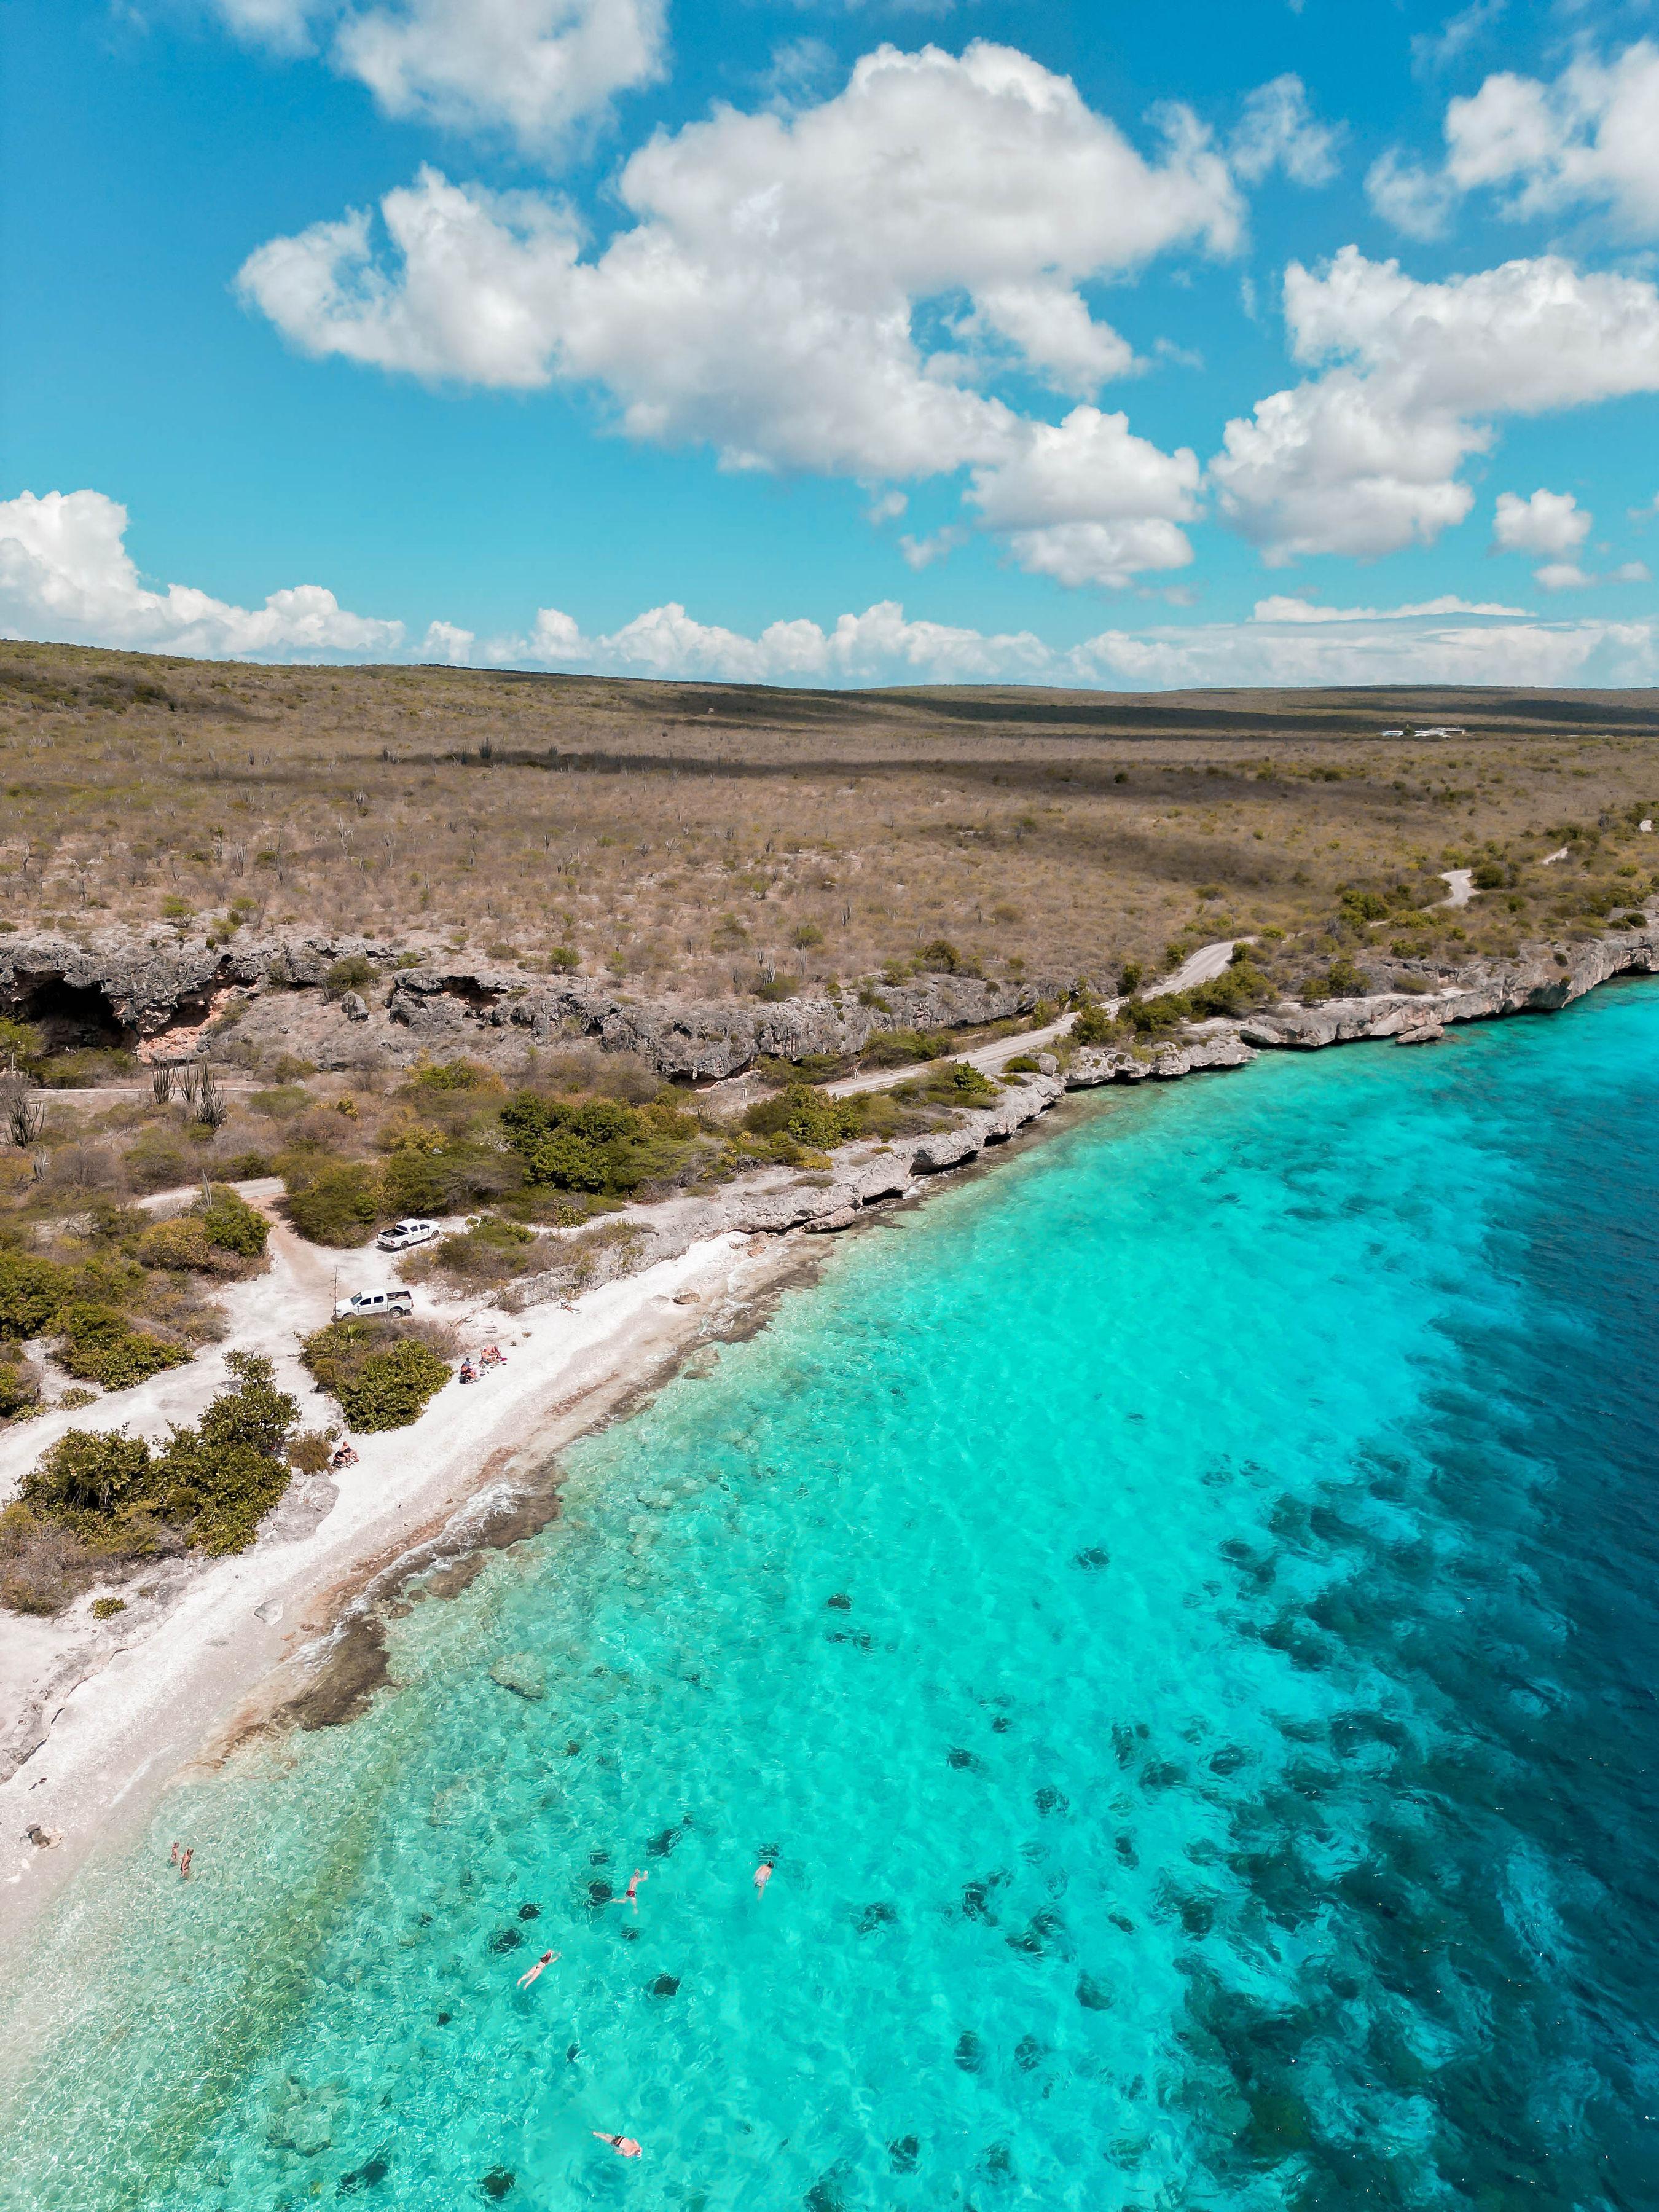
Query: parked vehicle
column 404, row 1234
column 374, row 1305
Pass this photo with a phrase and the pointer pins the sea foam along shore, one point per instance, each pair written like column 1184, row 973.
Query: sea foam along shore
column 250, row 1633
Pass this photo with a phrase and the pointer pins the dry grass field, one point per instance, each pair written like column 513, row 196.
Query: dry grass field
column 710, row 837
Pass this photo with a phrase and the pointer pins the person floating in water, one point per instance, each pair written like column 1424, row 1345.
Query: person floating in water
column 531, row 1973
column 631, row 1894
column 624, row 2146
column 763, row 1875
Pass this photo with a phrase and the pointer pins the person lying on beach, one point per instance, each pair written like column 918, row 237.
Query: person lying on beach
column 494, row 1357
column 763, row 1875
column 344, row 1455
column 531, row 1973
column 624, row 2146
column 469, row 1372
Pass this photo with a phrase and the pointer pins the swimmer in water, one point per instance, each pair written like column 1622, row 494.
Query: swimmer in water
column 184, row 1865
column 763, row 1875
column 631, row 1894
column 172, row 1856
column 531, row 1973
column 624, row 2146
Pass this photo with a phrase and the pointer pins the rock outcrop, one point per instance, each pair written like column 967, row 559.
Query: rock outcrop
column 154, row 991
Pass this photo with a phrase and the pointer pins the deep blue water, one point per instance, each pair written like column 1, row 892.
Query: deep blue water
column 1183, row 1611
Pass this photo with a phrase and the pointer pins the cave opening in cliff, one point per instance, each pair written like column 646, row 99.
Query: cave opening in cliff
column 69, row 1015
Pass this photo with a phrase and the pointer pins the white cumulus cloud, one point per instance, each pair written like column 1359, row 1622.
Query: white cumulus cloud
column 534, row 71
column 766, row 298
column 66, row 575
column 1588, row 139
column 1550, row 522
column 1362, row 460
column 1279, row 131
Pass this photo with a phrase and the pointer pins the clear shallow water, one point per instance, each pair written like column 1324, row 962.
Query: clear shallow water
column 1229, row 1782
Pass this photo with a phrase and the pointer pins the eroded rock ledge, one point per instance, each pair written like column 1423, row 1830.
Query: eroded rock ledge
column 122, row 989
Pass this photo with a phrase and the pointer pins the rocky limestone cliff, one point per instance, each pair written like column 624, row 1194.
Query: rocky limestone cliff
column 155, row 992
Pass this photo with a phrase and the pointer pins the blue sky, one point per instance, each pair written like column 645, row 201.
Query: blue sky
column 842, row 341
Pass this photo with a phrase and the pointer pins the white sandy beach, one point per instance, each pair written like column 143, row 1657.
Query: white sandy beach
column 127, row 1712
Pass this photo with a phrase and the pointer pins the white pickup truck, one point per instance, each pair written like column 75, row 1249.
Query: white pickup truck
column 374, row 1305
column 403, row 1235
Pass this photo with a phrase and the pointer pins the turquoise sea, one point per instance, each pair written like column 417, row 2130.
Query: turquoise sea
column 1182, row 1611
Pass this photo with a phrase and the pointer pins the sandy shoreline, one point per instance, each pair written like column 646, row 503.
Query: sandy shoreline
column 254, row 1633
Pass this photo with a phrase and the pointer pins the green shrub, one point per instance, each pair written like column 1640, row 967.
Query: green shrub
column 106, row 1608
column 776, row 988
column 1021, row 1064
column 1150, row 1017
column 490, row 1251
column 804, row 1115
column 31, row 1291
column 103, row 1474
column 231, row 1224
column 1343, row 980
column 97, row 1343
column 1134, row 976
column 1093, row 1025
column 182, row 1245
column 380, row 1384
column 901, row 1047
column 157, row 1161
column 453, row 1075
column 350, row 974
column 22, row 1043
column 214, row 1483
column 221, row 1477
column 1366, row 905
column 280, row 1103
column 940, row 957
column 971, row 1087
column 563, row 958
column 599, row 1145
column 18, row 1394
column 336, row 1204
column 1490, row 875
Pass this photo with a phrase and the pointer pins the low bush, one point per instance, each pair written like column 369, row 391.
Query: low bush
column 209, row 1486
column 1094, row 1025
column 31, row 1291
column 453, row 1075
column 44, row 1567
column 1021, row 1064
column 490, row 1250
column 231, row 1224
column 183, row 1243
column 22, row 1045
column 600, row 1145
column 806, row 1115
column 18, row 1392
column 901, row 1047
column 335, row 1202
column 98, row 1344
column 381, row 1380
column 350, row 974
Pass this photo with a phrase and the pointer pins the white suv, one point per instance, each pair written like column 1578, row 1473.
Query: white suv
column 403, row 1234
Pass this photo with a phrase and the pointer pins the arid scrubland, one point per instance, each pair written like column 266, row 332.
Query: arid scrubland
column 719, row 839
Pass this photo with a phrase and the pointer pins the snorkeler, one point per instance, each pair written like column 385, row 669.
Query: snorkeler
column 531, row 1973
column 624, row 2146
column 763, row 1875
